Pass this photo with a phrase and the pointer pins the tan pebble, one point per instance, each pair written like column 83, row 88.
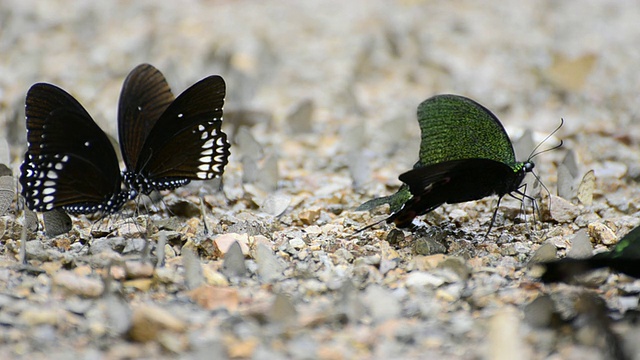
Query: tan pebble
column 169, row 252
column 22, row 292
column 329, row 228
column 429, row 262
column 171, row 342
column 148, row 321
column 51, row 267
column 256, row 240
column 62, row 243
column 308, row 217
column 207, row 248
column 560, row 210
column 422, row 279
column 214, row 297
column 78, row 285
column 297, row 243
column 390, row 254
column 193, row 225
column 329, row 353
column 602, row 234
column 97, row 328
column 242, row 349
column 118, row 272
column 44, row 279
column 224, row 242
column 139, row 284
column 313, row 230
column 459, row 216
column 445, row 296
column 315, row 247
column 130, row 230
column 504, row 336
column 137, row 269
column 213, row 277
column 83, row 270
column 476, row 262
column 40, row 317
column 168, row 275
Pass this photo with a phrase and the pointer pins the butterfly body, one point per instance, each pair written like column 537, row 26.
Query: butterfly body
column 456, row 181
column 165, row 142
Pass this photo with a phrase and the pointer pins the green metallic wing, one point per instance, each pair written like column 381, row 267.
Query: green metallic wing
column 627, row 247
column 395, row 201
column 455, row 127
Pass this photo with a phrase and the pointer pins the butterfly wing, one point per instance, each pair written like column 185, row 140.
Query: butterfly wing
column 187, row 142
column 453, row 182
column 145, row 96
column 69, row 162
column 624, row 258
column 455, row 127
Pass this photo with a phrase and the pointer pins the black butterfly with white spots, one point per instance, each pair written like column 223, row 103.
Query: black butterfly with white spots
column 165, row 142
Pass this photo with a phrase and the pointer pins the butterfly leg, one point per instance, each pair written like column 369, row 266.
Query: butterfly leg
column 493, row 218
column 522, row 198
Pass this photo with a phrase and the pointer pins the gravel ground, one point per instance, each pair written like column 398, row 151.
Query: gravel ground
column 321, row 105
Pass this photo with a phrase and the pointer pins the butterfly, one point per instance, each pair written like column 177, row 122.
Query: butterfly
column 165, row 143
column 624, row 258
column 465, row 154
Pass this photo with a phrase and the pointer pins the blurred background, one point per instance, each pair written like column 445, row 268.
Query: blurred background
column 356, row 65
column 321, row 106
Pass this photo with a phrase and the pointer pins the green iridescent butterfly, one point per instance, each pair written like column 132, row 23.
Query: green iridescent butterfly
column 465, row 154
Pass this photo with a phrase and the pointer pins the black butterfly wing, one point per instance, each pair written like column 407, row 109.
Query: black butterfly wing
column 144, row 97
column 466, row 180
column 69, row 162
column 187, row 142
column 453, row 182
column 624, row 258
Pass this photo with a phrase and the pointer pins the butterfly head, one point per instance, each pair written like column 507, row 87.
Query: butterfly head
column 528, row 166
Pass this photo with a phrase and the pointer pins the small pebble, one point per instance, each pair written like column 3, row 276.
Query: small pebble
column 602, row 234
column 149, row 321
column 76, row 284
column 421, row 279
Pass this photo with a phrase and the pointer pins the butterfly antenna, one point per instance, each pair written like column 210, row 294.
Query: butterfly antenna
column 534, row 153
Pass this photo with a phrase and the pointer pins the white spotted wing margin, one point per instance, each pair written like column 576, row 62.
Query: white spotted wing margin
column 69, row 162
